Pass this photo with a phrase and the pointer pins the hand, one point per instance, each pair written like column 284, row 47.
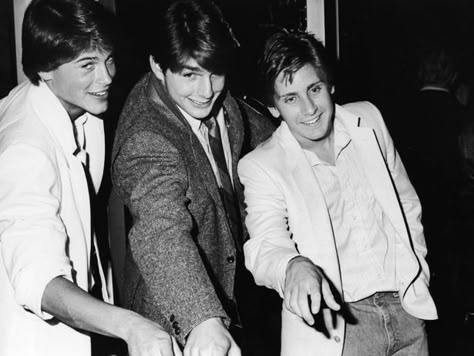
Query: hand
column 304, row 279
column 211, row 338
column 147, row 338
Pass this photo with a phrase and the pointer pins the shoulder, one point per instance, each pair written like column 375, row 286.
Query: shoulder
column 270, row 153
column 20, row 124
column 361, row 114
column 364, row 110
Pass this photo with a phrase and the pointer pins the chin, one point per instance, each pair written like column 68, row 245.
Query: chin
column 97, row 110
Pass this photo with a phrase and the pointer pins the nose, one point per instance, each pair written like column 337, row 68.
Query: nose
column 309, row 107
column 106, row 73
column 205, row 87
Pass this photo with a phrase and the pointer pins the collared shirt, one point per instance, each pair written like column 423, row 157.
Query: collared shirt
column 201, row 131
column 365, row 238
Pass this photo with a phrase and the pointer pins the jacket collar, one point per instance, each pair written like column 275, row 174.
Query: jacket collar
column 57, row 121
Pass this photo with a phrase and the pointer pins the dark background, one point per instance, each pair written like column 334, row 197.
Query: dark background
column 379, row 41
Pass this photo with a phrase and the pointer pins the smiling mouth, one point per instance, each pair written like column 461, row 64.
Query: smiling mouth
column 100, row 94
column 201, row 104
column 312, row 122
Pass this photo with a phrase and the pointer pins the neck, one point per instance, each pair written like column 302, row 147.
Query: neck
column 324, row 148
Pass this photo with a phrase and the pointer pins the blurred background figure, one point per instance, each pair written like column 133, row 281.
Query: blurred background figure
column 433, row 118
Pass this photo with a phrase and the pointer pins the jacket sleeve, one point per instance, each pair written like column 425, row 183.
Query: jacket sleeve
column 407, row 195
column 33, row 239
column 270, row 246
column 151, row 178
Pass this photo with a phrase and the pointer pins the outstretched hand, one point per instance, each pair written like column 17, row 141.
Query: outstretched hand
column 149, row 339
column 306, row 288
column 211, row 338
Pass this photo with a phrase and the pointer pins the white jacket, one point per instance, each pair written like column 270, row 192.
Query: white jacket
column 287, row 216
column 45, row 228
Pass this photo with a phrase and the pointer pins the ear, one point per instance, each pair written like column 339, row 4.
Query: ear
column 45, row 76
column 155, row 68
column 274, row 111
column 333, row 90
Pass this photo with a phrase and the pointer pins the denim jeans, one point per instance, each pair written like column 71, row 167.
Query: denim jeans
column 382, row 328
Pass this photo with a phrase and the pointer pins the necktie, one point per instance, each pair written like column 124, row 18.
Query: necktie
column 227, row 190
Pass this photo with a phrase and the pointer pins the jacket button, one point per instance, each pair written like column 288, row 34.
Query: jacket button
column 177, row 331
column 175, row 324
column 172, row 317
column 231, row 259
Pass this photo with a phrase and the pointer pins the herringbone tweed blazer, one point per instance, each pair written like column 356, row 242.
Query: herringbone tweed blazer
column 181, row 259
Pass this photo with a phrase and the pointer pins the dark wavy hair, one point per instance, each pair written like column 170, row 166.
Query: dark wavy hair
column 193, row 29
column 287, row 52
column 58, row 31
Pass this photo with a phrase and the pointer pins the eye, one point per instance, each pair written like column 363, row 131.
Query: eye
column 290, row 99
column 315, row 90
column 189, row 75
column 88, row 65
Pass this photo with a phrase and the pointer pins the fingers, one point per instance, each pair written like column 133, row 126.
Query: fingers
column 329, row 296
column 328, row 319
column 299, row 303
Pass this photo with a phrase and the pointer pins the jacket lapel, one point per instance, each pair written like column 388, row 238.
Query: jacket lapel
column 372, row 158
column 318, row 234
column 62, row 132
column 160, row 98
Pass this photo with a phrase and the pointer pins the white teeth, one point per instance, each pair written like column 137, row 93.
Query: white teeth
column 312, row 122
column 100, row 93
column 200, row 103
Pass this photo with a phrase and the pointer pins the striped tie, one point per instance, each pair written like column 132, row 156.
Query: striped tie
column 227, row 190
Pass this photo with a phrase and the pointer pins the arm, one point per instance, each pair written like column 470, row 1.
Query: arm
column 33, row 244
column 73, row 306
column 407, row 194
column 271, row 254
column 152, row 180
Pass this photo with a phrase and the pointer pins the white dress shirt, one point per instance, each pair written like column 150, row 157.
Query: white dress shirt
column 201, row 131
column 365, row 238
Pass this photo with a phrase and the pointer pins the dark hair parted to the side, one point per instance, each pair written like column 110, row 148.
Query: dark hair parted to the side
column 58, row 31
column 194, row 29
column 287, row 52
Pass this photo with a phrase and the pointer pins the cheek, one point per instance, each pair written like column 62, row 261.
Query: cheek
column 218, row 85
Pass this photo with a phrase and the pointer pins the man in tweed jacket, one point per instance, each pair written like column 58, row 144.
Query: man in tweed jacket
column 182, row 258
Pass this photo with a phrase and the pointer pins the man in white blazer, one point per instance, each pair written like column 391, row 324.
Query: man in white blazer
column 50, row 141
column 334, row 222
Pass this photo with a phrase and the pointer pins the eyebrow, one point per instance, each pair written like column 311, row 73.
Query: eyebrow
column 191, row 68
column 83, row 59
column 295, row 93
column 92, row 58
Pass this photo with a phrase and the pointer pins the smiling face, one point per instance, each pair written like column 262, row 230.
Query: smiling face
column 82, row 85
column 194, row 89
column 305, row 104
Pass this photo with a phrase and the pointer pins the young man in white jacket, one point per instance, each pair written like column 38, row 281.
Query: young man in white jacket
column 50, row 141
column 334, row 222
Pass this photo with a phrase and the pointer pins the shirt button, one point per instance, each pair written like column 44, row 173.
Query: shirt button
column 231, row 259
column 337, row 338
